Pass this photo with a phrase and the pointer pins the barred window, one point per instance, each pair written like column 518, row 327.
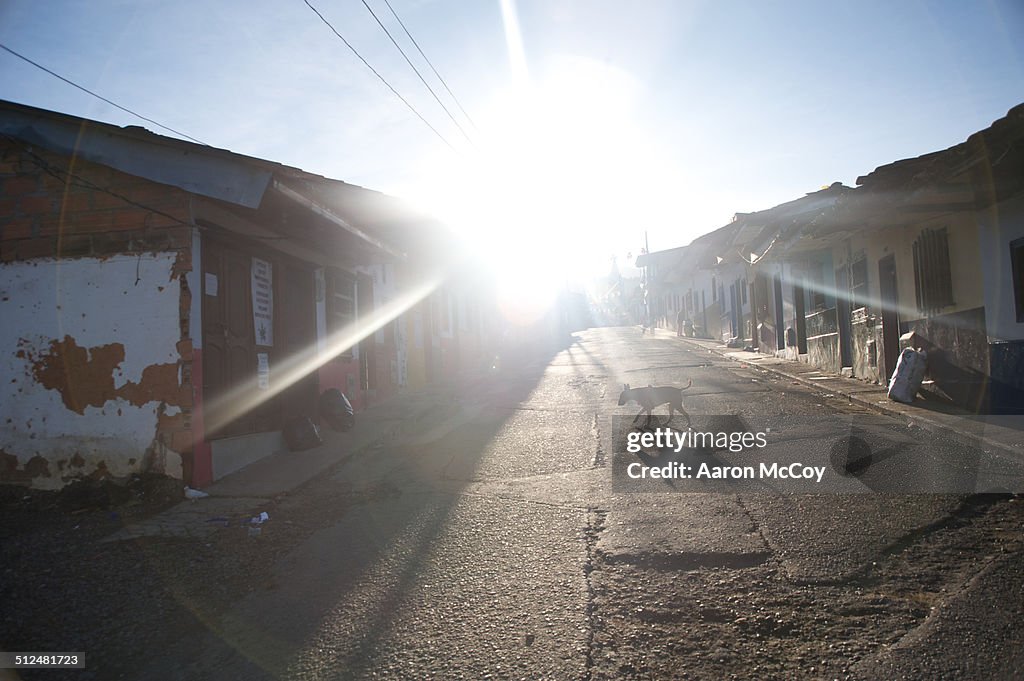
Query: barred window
column 932, row 277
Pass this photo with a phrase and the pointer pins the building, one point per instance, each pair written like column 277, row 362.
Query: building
column 926, row 252
column 169, row 306
column 933, row 246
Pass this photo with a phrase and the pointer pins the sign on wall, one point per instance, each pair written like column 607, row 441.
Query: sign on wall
column 263, row 301
column 262, row 371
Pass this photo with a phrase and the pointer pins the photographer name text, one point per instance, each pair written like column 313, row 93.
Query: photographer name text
column 678, row 471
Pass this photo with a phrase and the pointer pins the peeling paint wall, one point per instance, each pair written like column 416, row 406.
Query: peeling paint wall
column 89, row 366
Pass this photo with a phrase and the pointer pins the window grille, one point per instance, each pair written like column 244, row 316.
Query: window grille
column 932, row 278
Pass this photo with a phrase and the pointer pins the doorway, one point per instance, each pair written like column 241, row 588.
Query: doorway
column 890, row 312
column 843, row 317
column 801, row 319
column 780, row 336
column 234, row 356
column 368, row 343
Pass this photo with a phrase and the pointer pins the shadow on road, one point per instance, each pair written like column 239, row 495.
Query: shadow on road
column 359, row 574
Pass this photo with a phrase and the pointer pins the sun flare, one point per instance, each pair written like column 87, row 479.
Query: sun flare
column 561, row 177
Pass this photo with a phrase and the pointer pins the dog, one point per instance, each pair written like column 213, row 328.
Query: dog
column 651, row 397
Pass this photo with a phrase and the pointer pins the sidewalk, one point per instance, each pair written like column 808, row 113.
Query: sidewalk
column 1003, row 433
column 246, row 492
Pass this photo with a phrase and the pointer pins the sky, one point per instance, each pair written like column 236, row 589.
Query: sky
column 591, row 123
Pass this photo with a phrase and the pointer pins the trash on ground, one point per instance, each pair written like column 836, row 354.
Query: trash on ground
column 906, row 378
column 260, row 519
column 336, row 410
column 194, row 494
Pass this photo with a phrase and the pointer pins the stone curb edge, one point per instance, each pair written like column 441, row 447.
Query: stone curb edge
column 931, row 424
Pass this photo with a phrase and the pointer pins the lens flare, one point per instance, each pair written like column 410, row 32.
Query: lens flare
column 247, row 395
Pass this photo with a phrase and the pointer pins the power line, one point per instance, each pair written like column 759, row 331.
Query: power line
column 456, row 99
column 380, row 77
column 101, row 97
column 68, row 177
column 413, row 67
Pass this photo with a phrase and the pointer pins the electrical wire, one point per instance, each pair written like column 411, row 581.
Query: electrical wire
column 456, row 99
column 413, row 67
column 70, row 178
column 101, row 97
column 380, row 77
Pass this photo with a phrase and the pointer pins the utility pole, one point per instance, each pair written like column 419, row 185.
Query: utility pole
column 647, row 281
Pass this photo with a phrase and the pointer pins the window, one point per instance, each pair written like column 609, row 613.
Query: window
column 932, row 278
column 1017, row 265
column 714, row 290
column 341, row 303
column 743, row 290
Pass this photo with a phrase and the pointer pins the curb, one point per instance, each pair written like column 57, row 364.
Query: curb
column 930, row 423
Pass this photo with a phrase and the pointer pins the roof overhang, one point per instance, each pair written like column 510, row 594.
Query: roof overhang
column 213, row 173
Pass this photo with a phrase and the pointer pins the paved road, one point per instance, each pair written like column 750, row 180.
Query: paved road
column 502, row 547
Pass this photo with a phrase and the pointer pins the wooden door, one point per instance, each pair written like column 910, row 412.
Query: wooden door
column 295, row 344
column 231, row 349
column 229, row 352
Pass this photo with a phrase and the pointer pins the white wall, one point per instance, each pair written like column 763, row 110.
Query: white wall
column 999, row 226
column 126, row 300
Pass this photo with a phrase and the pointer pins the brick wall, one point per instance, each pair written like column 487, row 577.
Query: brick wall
column 51, row 206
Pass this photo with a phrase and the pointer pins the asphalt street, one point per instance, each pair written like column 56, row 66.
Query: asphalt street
column 510, row 542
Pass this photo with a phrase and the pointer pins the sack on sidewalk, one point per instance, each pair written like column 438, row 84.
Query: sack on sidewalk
column 907, row 377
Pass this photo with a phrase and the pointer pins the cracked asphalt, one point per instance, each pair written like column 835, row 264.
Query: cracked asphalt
column 495, row 544
column 508, row 552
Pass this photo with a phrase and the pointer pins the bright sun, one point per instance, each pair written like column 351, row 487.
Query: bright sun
column 561, row 176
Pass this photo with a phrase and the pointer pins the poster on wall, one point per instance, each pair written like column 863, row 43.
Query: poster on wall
column 263, row 370
column 263, row 302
